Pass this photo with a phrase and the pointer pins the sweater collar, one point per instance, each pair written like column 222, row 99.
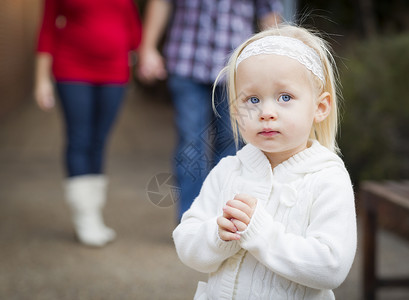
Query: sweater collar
column 312, row 159
column 254, row 159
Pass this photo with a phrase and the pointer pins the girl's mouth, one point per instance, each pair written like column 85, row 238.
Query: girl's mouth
column 268, row 132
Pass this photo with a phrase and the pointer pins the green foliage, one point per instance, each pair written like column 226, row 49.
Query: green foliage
column 374, row 136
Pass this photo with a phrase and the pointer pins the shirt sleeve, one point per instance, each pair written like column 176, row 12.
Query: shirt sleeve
column 264, row 7
column 323, row 257
column 46, row 35
column 196, row 238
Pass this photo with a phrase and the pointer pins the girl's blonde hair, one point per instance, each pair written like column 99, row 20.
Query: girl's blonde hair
column 325, row 132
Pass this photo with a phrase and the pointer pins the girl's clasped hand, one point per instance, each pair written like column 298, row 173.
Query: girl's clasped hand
column 236, row 216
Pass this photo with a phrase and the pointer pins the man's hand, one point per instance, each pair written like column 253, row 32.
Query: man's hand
column 151, row 66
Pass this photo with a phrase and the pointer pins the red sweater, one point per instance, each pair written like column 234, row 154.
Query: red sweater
column 90, row 40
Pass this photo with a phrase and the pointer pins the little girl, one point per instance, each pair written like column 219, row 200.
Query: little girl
column 276, row 221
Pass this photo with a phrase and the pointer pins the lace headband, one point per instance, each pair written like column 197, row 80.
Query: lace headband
column 286, row 46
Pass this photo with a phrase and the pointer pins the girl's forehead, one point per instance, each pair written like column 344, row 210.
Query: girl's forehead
column 270, row 67
column 263, row 69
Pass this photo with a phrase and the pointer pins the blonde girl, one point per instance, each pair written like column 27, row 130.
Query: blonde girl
column 277, row 220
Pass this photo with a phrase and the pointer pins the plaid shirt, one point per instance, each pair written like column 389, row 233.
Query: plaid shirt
column 203, row 33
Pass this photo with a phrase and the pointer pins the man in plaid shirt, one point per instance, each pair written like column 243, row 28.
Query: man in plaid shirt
column 200, row 36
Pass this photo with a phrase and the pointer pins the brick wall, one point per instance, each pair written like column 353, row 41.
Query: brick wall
column 18, row 29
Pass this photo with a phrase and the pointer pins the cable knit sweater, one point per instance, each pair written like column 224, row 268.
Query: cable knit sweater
column 301, row 240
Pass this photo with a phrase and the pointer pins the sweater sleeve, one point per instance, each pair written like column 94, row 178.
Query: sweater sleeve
column 323, row 257
column 46, row 36
column 196, row 238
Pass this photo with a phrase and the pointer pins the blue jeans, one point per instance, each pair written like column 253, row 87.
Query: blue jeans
column 203, row 138
column 89, row 112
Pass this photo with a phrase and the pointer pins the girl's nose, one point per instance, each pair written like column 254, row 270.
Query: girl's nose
column 268, row 112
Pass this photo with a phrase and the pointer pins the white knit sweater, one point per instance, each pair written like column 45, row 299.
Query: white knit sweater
column 301, row 241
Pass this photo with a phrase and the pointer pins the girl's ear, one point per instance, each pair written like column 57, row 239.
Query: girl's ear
column 323, row 107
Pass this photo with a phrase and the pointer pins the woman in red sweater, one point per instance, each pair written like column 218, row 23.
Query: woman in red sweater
column 84, row 47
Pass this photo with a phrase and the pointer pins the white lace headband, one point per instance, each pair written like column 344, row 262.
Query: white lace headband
column 287, row 46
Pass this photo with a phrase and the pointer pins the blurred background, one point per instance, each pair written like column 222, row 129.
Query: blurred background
column 39, row 258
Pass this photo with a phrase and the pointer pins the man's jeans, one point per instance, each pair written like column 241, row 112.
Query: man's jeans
column 89, row 112
column 203, row 138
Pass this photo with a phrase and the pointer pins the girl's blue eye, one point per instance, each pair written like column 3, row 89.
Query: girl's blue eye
column 284, row 98
column 254, row 100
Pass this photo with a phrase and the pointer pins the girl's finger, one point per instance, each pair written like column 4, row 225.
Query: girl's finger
column 247, row 199
column 228, row 236
column 236, row 214
column 239, row 225
column 240, row 206
column 226, row 224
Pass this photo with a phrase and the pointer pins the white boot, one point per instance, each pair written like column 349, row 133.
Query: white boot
column 86, row 196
